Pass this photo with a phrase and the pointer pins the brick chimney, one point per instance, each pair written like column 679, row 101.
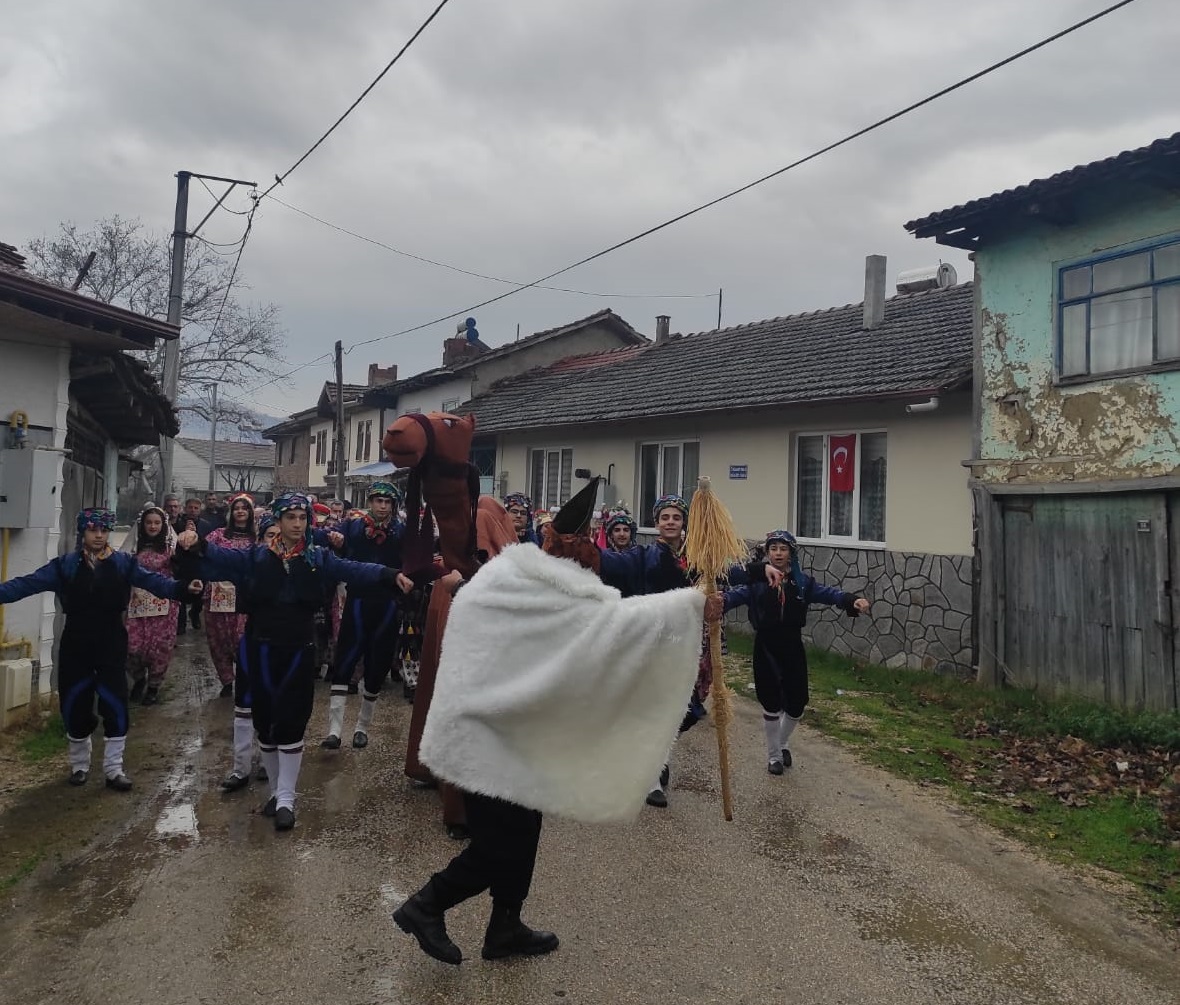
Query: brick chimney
column 379, row 374
column 10, row 257
column 663, row 324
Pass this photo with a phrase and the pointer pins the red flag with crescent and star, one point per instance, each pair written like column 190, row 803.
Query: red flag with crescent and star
column 842, row 463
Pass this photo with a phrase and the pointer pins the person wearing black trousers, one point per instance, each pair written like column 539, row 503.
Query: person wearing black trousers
column 189, row 519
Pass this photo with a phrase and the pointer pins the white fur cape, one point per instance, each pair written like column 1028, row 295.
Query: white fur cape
column 555, row 693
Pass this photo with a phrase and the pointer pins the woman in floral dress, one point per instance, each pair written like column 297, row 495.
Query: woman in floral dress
column 223, row 624
column 151, row 620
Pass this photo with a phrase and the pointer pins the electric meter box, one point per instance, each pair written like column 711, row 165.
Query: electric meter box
column 28, row 487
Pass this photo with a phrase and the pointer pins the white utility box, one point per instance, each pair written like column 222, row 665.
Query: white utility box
column 28, row 487
column 16, row 677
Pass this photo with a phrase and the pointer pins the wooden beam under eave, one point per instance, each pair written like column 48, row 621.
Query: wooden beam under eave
column 961, row 238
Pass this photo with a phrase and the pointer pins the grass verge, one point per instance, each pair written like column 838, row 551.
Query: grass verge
column 47, row 741
column 24, row 869
column 1082, row 782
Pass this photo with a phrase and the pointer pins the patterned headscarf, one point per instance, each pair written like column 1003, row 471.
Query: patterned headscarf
column 520, row 499
column 166, row 537
column 94, row 516
column 264, row 525
column 787, row 538
column 381, row 490
column 671, row 501
column 292, row 502
column 620, row 518
column 229, row 513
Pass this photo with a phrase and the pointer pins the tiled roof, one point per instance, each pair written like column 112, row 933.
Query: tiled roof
column 923, row 346
column 232, row 454
column 1160, row 159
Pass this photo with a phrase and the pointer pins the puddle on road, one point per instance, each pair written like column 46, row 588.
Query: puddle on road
column 178, row 819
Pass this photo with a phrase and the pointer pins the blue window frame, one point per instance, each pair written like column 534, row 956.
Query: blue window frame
column 1119, row 312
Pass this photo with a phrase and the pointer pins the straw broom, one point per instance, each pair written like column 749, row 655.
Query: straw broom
column 711, row 547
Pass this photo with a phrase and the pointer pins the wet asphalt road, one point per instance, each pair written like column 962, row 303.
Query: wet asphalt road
column 835, row 884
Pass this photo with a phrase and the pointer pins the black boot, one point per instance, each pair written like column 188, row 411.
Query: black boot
column 507, row 936
column 422, row 917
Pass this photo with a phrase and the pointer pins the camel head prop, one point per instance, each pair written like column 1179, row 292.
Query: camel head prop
column 436, row 447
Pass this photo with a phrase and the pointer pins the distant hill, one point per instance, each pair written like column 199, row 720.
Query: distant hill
column 193, row 426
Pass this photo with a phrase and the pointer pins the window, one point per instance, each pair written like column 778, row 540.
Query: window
column 1119, row 313
column 550, row 476
column 664, row 469
column 450, row 404
column 840, row 487
column 291, row 454
column 321, row 446
column 483, row 456
column 364, row 440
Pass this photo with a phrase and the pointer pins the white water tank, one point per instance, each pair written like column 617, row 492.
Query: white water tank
column 930, row 277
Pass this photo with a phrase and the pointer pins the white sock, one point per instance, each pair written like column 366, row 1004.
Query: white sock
column 243, row 741
column 368, row 707
column 788, row 727
column 112, row 756
column 290, row 757
column 336, row 714
column 79, row 751
column 772, row 727
column 270, row 760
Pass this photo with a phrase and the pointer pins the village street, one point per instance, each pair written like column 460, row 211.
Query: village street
column 834, row 884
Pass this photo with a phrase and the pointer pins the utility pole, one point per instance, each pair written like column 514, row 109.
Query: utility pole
column 180, row 236
column 340, row 423
column 213, row 443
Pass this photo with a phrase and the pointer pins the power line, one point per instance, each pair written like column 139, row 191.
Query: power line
column 767, row 177
column 279, row 179
column 205, row 185
column 480, row 275
column 234, row 271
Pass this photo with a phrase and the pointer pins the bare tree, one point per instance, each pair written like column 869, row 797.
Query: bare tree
column 132, row 270
column 233, row 418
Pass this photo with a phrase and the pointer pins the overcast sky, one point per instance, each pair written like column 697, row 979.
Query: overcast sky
column 517, row 136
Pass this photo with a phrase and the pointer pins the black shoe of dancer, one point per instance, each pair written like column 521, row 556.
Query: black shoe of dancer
column 260, row 775
column 774, row 767
column 657, row 798
column 330, row 742
column 665, row 777
column 786, row 758
column 120, row 783
column 268, row 808
column 151, row 696
column 284, row 818
column 137, row 689
column 78, row 777
column 227, row 691
column 233, row 782
column 508, row 936
column 458, row 832
column 423, row 917
column 360, row 739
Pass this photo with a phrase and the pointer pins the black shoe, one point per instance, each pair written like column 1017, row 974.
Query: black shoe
column 458, row 832
column 284, row 819
column 268, row 808
column 137, row 689
column 657, row 797
column 227, row 691
column 79, row 777
column 421, row 917
column 354, row 688
column 120, row 783
column 786, row 758
column 260, row 775
column 775, row 767
column 330, row 742
column 508, row 936
column 233, row 782
column 360, row 739
column 665, row 777
column 151, row 696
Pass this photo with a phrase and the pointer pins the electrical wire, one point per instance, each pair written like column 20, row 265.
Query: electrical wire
column 765, row 178
column 236, row 212
column 234, row 271
column 480, row 275
column 279, row 179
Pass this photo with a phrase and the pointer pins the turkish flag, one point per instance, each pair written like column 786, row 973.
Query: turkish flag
column 842, row 463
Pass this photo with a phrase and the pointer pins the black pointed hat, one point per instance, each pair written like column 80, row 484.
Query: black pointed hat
column 574, row 516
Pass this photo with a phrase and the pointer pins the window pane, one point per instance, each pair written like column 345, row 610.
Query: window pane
column 567, row 474
column 810, row 487
column 840, row 514
column 1167, row 262
column 1075, row 283
column 1117, row 273
column 872, row 487
column 649, row 463
column 1120, row 331
column 537, row 478
column 692, row 467
column 1167, row 321
column 670, row 472
column 1073, row 340
column 552, row 480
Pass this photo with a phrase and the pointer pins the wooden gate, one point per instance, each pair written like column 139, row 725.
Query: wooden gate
column 1086, row 602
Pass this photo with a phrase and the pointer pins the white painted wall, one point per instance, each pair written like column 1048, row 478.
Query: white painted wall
column 928, row 505
column 190, row 472
column 35, row 379
column 430, row 399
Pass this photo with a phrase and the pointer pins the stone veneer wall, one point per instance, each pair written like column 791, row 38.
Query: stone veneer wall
column 921, row 613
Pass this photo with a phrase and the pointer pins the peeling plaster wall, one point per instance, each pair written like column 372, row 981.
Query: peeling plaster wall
column 1032, row 429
